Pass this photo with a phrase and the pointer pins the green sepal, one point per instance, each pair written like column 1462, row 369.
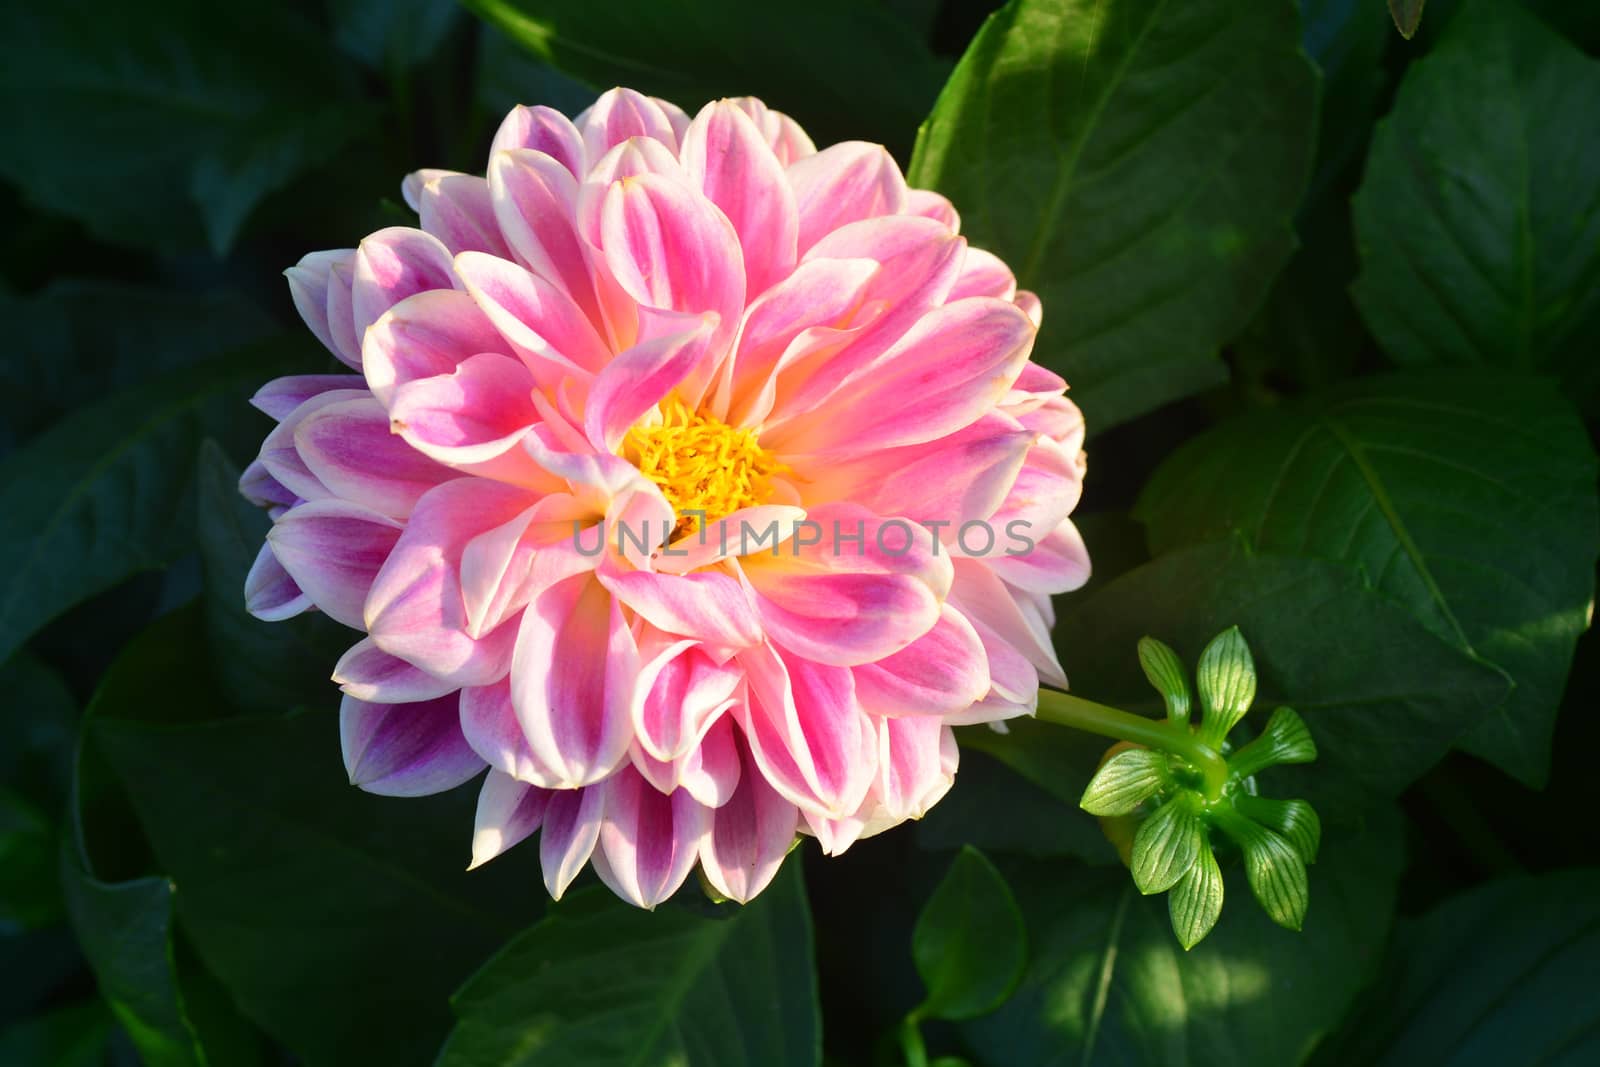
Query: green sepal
column 1286, row 739
column 1167, row 844
column 1296, row 820
column 1226, row 678
column 1126, row 780
column 1165, row 671
column 1196, row 901
column 1275, row 870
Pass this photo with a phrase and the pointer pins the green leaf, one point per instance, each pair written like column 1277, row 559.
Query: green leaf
column 268, row 666
column 338, row 921
column 1118, row 156
column 599, row 983
column 1296, row 820
column 823, row 62
column 1107, row 983
column 1126, row 781
column 111, row 334
column 391, row 34
column 1495, row 975
column 1377, row 727
column 107, row 492
column 72, row 1036
column 1492, row 548
column 1195, row 903
column 1479, row 240
column 165, row 120
column 1166, row 672
column 1167, row 844
column 1285, row 740
column 969, row 944
column 1407, row 15
column 1226, row 678
column 1274, row 868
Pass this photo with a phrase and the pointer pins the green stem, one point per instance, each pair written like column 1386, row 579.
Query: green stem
column 1064, row 709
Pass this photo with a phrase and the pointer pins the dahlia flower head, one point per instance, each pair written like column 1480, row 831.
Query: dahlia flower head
column 692, row 480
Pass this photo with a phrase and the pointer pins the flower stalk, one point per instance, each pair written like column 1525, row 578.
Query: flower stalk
column 1064, row 709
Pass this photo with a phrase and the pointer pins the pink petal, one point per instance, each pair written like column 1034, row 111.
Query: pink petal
column 542, row 129
column 788, row 141
column 1029, row 303
column 680, row 692
column 808, row 735
column 425, row 336
column 567, row 840
column 257, row 485
column 994, row 610
column 391, row 265
column 649, row 842
column 368, row 673
column 930, row 205
column 1059, row 563
column 473, row 418
column 489, row 723
column 280, row 455
column 845, row 183
column 984, row 274
column 942, row 672
column 708, row 772
column 459, row 210
column 348, row 446
column 535, row 203
column 572, row 681
column 405, row 750
column 309, row 284
column 844, row 603
column 536, row 317
column 415, row 610
column 950, row 368
column 640, row 378
column 732, row 163
column 508, row 811
column 341, row 310
column 620, row 114
column 498, row 572
column 706, row 605
column 281, row 396
column 333, row 550
column 916, row 765
column 749, row 836
column 269, row 593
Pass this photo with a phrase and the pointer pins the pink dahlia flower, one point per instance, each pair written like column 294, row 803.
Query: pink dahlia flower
column 692, row 480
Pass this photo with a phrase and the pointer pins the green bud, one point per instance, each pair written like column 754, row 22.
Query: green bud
column 1285, row 740
column 1275, row 870
column 1196, row 901
column 1167, row 844
column 1296, row 820
column 1226, row 678
column 1127, row 780
column 1165, row 671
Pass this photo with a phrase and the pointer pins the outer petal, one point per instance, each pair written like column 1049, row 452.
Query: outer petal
column 473, row 418
column 731, row 162
column 648, row 842
column 536, row 202
column 994, row 611
column 281, row 396
column 749, row 837
column 931, row 205
column 1059, row 563
column 425, row 336
column 846, row 601
column 415, row 610
column 680, row 692
column 405, row 750
column 391, row 265
column 348, row 446
column 789, row 142
column 508, row 811
column 916, row 765
column 309, row 283
column 807, row 733
column 572, row 680
column 368, row 673
column 281, row 458
column 620, row 114
column 333, row 550
column 459, row 210
column 940, row 673
column 845, row 183
column 270, row 594
column 709, row 771
column 571, row 829
column 542, row 129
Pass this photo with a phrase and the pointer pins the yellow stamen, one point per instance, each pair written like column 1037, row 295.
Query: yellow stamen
column 701, row 463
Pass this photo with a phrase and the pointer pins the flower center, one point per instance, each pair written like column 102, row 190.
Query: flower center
column 701, row 464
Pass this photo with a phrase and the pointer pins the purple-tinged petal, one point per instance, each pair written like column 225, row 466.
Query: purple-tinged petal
column 681, row 691
column 405, row 750
column 508, row 811
column 350, row 449
column 270, row 594
column 940, row 673
column 281, row 396
column 749, row 836
column 368, row 673
column 391, row 265
column 567, row 839
column 308, row 288
column 709, row 771
column 334, row 550
column 425, row 336
column 649, row 842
